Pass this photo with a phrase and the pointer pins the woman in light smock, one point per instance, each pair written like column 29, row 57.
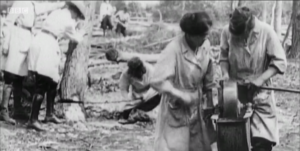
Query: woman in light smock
column 45, row 54
column 182, row 75
column 251, row 53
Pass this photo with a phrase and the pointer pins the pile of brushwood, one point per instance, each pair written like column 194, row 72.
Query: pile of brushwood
column 156, row 37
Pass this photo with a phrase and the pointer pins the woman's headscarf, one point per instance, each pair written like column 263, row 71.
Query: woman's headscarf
column 197, row 23
column 241, row 20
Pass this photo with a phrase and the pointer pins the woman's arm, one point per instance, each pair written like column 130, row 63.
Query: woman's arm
column 164, row 71
column 126, row 56
column 276, row 54
column 124, row 85
column 73, row 34
column 118, row 56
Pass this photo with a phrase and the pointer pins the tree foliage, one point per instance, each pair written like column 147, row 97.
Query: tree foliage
column 135, row 7
column 172, row 11
column 120, row 4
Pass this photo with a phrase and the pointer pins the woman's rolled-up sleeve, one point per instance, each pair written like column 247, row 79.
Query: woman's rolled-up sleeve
column 275, row 52
column 165, row 67
column 224, row 46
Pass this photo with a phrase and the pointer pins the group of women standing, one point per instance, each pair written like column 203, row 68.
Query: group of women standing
column 250, row 53
column 37, row 57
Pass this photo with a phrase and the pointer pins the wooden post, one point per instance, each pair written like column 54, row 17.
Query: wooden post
column 74, row 80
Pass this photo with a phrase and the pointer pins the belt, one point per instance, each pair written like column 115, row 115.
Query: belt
column 49, row 33
column 22, row 26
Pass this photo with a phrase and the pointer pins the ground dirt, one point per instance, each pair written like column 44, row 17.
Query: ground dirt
column 102, row 131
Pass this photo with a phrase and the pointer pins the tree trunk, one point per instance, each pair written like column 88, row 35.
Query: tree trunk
column 160, row 16
column 295, row 31
column 278, row 17
column 183, row 5
column 287, row 33
column 97, row 7
column 273, row 15
column 264, row 13
column 232, row 6
column 240, row 3
column 74, row 80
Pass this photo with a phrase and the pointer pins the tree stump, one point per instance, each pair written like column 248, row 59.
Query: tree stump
column 74, row 80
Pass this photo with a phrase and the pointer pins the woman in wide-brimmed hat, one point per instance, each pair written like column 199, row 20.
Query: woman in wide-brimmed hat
column 45, row 54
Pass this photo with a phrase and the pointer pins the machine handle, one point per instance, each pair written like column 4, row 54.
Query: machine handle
column 280, row 89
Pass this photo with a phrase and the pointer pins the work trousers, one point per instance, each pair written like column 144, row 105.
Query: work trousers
column 106, row 23
column 121, row 29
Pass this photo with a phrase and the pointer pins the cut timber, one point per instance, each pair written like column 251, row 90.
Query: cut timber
column 115, row 40
column 74, row 80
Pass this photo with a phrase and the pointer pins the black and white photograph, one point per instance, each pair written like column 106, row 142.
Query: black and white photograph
column 118, row 75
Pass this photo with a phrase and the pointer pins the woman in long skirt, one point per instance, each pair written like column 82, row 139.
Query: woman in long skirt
column 44, row 57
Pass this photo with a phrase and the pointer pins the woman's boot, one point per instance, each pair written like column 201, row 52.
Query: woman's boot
column 4, row 114
column 19, row 112
column 50, row 116
column 35, row 109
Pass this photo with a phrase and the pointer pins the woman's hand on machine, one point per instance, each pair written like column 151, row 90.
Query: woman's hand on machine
column 253, row 86
column 258, row 82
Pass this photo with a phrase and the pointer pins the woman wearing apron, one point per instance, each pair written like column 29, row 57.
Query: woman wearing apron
column 182, row 75
column 44, row 57
column 251, row 53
